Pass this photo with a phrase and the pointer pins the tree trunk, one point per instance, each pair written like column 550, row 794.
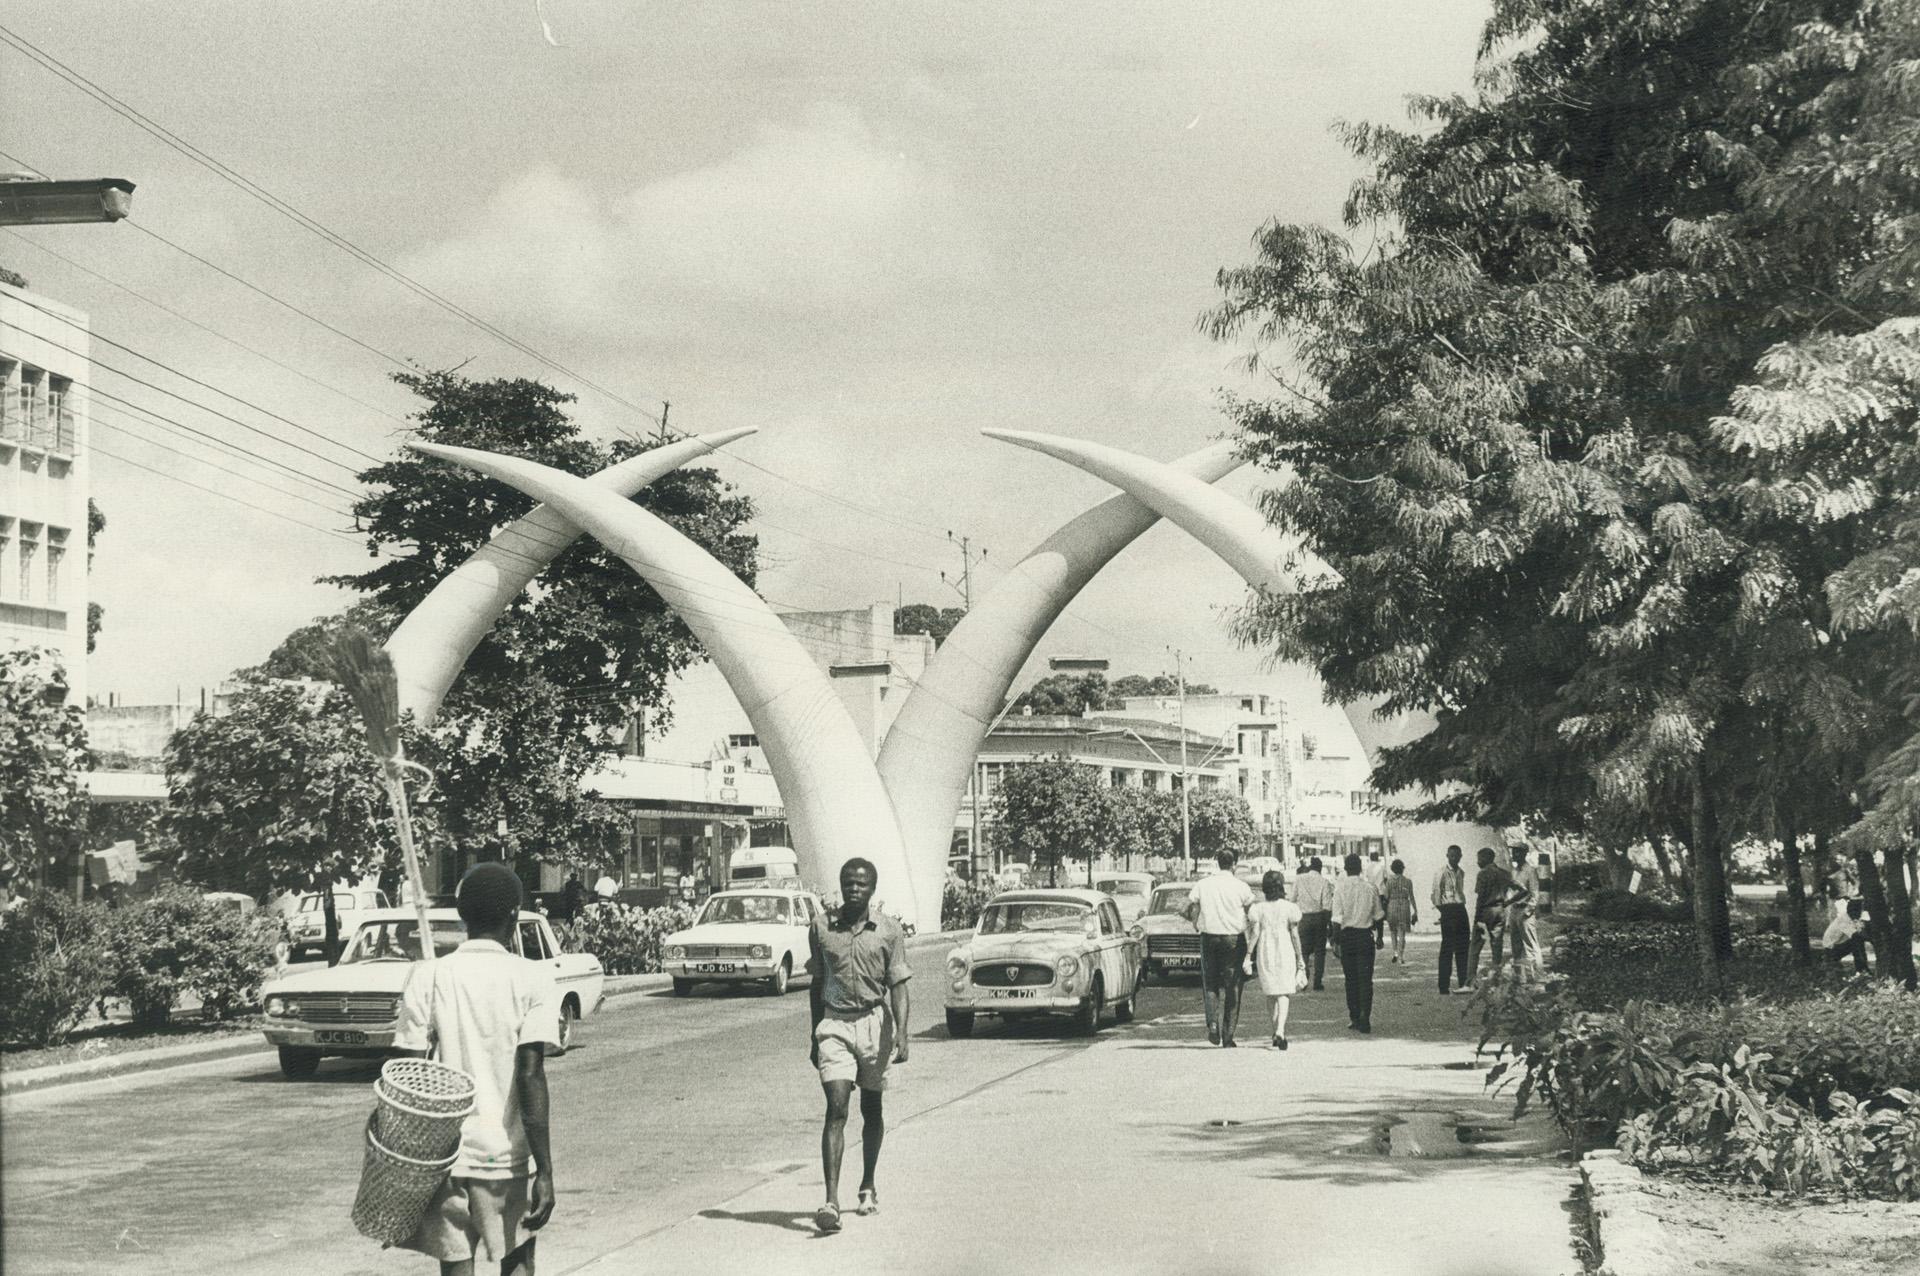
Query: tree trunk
column 1661, row 858
column 1789, row 832
column 1899, row 913
column 333, row 924
column 1878, row 919
column 1712, row 934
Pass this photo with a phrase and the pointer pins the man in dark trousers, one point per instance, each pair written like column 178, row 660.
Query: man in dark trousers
column 1356, row 907
column 1313, row 896
column 1449, row 899
column 859, row 1000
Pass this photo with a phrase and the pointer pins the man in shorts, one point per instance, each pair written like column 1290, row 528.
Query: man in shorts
column 491, row 1014
column 858, row 995
column 1218, row 906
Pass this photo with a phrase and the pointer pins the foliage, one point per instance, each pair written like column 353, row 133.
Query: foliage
column 1142, row 822
column 1158, row 684
column 52, row 966
column 1605, row 418
column 960, row 905
column 1626, row 906
column 1073, row 694
column 1607, row 966
column 43, row 753
column 96, row 614
column 1048, row 809
column 1221, row 821
column 626, row 939
column 925, row 618
column 177, row 942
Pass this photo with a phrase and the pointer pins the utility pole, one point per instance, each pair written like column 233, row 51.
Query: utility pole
column 1186, row 815
column 963, row 585
column 665, row 408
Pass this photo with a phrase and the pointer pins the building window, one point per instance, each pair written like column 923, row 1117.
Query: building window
column 29, row 552
column 6, row 542
column 743, row 741
column 56, row 553
column 1246, row 705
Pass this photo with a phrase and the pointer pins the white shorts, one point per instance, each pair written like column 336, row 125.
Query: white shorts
column 856, row 1046
column 474, row 1218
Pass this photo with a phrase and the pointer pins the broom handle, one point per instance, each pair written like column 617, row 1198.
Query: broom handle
column 416, row 881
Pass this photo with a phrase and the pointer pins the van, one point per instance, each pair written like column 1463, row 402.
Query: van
column 763, row 866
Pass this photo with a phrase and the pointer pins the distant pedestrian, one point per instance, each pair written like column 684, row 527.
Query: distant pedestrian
column 492, row 1015
column 1847, row 935
column 1356, row 908
column 1313, row 895
column 1401, row 913
column 1491, row 887
column 1274, row 951
column 606, row 888
column 858, row 996
column 572, row 894
column 1218, row 906
column 1521, row 936
column 1449, row 900
column 1376, row 875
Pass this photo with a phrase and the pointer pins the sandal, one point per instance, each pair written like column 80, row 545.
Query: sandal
column 869, row 1202
column 827, row 1217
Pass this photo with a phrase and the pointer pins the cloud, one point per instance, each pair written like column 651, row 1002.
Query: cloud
column 814, row 222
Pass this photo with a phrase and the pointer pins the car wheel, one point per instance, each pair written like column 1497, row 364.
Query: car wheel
column 1146, row 968
column 569, row 1011
column 682, row 987
column 1086, row 1020
column 298, row 1063
column 959, row 1023
column 1123, row 1010
column 777, row 985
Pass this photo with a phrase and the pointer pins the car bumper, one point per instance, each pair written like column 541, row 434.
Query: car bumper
column 995, row 1002
column 704, row 970
column 313, row 1038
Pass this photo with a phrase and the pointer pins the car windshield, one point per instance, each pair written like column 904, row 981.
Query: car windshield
column 1170, row 899
column 397, row 941
column 1123, row 886
column 731, row 909
column 1013, row 918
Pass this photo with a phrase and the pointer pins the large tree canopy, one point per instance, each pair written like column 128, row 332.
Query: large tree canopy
column 1591, row 410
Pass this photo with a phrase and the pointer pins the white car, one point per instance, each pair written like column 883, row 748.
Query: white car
column 354, row 1008
column 1044, row 951
column 1129, row 891
column 743, row 936
column 307, row 920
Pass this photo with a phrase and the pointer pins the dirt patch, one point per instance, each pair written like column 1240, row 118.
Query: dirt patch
column 1733, row 1230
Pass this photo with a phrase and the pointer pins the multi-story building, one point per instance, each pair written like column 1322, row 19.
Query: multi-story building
column 45, row 354
column 1251, row 727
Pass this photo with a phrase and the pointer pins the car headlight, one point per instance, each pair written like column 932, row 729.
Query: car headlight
column 760, row 952
column 276, row 1006
column 676, row 953
column 1067, row 968
column 956, row 963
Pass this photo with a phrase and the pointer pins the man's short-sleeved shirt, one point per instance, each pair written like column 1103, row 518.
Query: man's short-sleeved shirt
column 475, row 1008
column 1527, row 877
column 860, row 962
column 1220, row 902
column 1375, row 871
column 1356, row 903
column 1313, row 893
column 1491, row 885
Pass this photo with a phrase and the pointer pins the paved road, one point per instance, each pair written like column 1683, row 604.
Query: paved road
column 670, row 1115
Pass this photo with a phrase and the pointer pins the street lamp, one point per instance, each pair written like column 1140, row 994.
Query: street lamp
column 29, row 201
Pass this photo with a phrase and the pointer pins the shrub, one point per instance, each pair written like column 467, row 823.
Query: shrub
column 1608, row 965
column 177, row 942
column 1624, row 906
column 960, row 906
column 626, row 939
column 52, row 967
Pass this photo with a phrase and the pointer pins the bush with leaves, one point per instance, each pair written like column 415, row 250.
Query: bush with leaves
column 626, row 939
column 960, row 905
column 52, row 967
column 178, row 943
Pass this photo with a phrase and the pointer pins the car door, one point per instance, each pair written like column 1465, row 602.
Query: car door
column 1119, row 953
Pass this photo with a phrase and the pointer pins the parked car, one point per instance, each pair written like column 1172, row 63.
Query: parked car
column 1129, row 891
column 354, row 1008
column 307, row 924
column 743, row 936
column 1044, row 951
column 233, row 901
column 1170, row 943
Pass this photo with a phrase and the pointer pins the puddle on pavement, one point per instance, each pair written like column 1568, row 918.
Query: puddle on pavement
column 1448, row 1136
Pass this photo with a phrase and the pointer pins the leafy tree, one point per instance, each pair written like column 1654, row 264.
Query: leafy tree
column 278, row 794
column 1220, row 820
column 1143, row 822
column 1527, row 421
column 96, row 524
column 43, row 753
column 1159, row 684
column 925, row 618
column 1065, row 695
column 1048, row 809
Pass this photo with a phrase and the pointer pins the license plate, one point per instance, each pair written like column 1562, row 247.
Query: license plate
column 1180, row 963
column 718, row 968
column 338, row 1038
column 1016, row 992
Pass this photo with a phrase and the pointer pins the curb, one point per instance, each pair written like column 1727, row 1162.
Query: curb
column 1632, row 1240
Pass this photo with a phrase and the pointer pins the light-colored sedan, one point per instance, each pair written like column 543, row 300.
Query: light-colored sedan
column 1129, row 891
column 1044, row 951
column 743, row 936
column 1171, row 944
column 354, row 1008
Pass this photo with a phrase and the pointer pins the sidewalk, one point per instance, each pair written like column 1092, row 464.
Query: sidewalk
column 1153, row 1152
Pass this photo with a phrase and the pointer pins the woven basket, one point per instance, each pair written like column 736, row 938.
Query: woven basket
column 395, row 1191
column 415, row 1115
column 425, row 1085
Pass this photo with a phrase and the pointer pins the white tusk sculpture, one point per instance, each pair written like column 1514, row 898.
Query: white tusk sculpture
column 432, row 644
column 1252, row 547
column 930, row 749
column 833, row 796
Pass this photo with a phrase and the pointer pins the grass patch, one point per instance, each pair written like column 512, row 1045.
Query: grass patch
column 109, row 1039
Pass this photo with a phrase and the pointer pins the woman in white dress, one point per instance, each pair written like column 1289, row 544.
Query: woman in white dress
column 1273, row 953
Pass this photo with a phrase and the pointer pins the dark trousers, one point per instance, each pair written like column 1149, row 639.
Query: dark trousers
column 1356, row 964
column 1313, row 945
column 1454, row 937
column 1380, row 927
column 1857, row 946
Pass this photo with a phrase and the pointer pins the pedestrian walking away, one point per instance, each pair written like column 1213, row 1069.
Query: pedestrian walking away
column 1313, row 895
column 493, row 1015
column 1491, row 886
column 858, row 996
column 1273, row 951
column 1521, row 936
column 1449, row 900
column 1397, row 900
column 1376, row 875
column 1218, row 908
column 1356, row 908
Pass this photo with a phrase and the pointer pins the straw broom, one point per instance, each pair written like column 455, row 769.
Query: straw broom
column 365, row 669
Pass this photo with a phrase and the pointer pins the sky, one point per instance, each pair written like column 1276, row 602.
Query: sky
column 869, row 230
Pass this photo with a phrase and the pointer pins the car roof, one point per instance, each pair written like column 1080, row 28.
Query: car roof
column 408, row 915
column 1049, row 895
column 1123, row 877
column 761, row 890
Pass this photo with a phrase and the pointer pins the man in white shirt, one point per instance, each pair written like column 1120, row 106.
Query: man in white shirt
column 1848, row 934
column 1356, row 907
column 606, row 888
column 1218, row 906
column 1520, row 932
column 1375, row 871
column 1313, row 895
